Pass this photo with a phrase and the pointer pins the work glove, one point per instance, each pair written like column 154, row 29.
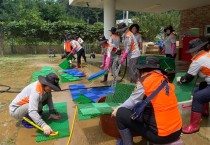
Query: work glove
column 178, row 80
column 123, row 57
column 114, row 112
column 54, row 115
column 108, row 60
column 47, row 129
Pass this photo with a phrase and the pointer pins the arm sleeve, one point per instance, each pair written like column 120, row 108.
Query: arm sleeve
column 109, row 51
column 136, row 96
column 50, row 102
column 33, row 109
column 194, row 68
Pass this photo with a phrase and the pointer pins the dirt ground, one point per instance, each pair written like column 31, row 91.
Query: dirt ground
column 16, row 71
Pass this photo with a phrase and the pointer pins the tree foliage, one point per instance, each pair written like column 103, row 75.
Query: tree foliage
column 152, row 24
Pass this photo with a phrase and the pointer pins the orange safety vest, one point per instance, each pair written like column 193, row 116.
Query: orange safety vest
column 108, row 45
column 165, row 118
column 128, row 34
column 67, row 46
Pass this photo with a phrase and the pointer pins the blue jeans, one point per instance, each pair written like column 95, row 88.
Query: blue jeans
column 200, row 97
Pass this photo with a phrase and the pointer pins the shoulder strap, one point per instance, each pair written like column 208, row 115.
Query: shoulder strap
column 148, row 99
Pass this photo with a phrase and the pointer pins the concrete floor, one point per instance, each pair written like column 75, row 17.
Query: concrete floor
column 88, row 132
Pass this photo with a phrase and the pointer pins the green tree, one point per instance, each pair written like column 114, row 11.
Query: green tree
column 152, row 24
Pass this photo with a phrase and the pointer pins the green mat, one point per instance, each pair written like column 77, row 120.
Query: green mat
column 184, row 91
column 43, row 72
column 121, row 94
column 62, row 125
column 64, row 64
column 69, row 78
column 82, row 99
column 91, row 110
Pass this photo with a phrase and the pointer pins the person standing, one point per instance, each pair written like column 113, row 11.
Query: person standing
column 115, row 39
column 134, row 28
column 131, row 49
column 169, row 44
column 111, row 53
column 77, row 49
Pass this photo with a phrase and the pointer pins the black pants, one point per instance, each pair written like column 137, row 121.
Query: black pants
column 124, row 121
column 201, row 96
column 169, row 55
column 80, row 53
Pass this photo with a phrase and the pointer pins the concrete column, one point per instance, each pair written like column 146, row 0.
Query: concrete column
column 109, row 16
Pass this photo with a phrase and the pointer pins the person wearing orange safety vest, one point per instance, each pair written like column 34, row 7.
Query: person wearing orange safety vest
column 29, row 102
column 79, row 50
column 200, row 50
column 131, row 49
column 111, row 53
column 134, row 28
column 162, row 121
column 169, row 44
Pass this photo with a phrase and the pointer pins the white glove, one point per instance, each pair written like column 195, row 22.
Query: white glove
column 47, row 130
column 178, row 79
column 114, row 112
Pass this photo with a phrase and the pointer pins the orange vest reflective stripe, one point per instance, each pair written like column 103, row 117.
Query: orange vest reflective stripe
column 166, row 114
column 129, row 33
column 67, row 46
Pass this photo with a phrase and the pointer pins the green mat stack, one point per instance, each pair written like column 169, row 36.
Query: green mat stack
column 69, row 78
column 91, row 110
column 44, row 71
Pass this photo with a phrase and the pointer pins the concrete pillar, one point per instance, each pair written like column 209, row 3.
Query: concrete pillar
column 109, row 16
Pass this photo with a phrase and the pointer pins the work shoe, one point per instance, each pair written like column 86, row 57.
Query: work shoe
column 105, row 78
column 194, row 125
column 26, row 124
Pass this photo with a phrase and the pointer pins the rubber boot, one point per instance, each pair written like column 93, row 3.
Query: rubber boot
column 194, row 125
column 205, row 112
column 126, row 137
column 105, row 78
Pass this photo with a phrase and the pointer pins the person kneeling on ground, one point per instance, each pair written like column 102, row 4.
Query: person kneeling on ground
column 29, row 102
column 200, row 50
column 162, row 121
